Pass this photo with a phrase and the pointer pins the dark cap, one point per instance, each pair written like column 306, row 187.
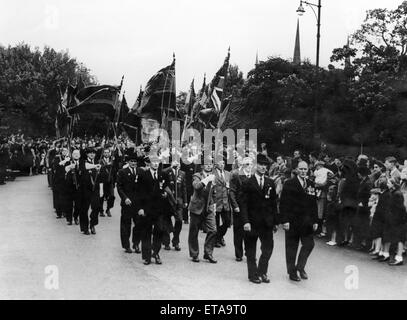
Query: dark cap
column 262, row 159
column 90, row 150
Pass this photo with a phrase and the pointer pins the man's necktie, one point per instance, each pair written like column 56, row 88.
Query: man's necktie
column 261, row 182
column 155, row 175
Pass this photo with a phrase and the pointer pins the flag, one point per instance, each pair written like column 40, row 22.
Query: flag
column 190, row 99
column 124, row 110
column 62, row 118
column 159, row 95
column 218, row 84
column 97, row 99
column 139, row 98
column 224, row 113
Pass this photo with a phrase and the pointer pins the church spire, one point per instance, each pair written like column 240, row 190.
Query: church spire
column 297, row 50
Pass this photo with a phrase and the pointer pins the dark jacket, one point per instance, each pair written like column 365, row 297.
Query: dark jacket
column 259, row 206
column 298, row 206
column 128, row 186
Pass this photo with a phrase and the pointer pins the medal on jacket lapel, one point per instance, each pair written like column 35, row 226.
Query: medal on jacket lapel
column 268, row 193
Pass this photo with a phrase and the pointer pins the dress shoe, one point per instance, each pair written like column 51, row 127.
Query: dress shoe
column 59, row 217
column 167, row 247
column 147, row 262
column 108, row 213
column 384, row 259
column 92, row 230
column 86, row 232
column 157, row 259
column 102, row 214
column 239, row 259
column 294, row 277
column 255, row 280
column 137, row 249
column 217, row 245
column 195, row 259
column 222, row 242
column 128, row 250
column 76, row 221
column 186, row 222
column 264, row 278
column 373, row 253
column 69, row 223
column 210, row 258
column 177, row 247
column 396, row 263
column 303, row 274
column 377, row 257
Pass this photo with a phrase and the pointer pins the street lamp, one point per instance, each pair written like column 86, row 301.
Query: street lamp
column 301, row 11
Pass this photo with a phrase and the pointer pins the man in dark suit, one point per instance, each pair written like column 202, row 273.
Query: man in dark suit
column 238, row 178
column 127, row 187
column 178, row 188
column 259, row 210
column 299, row 214
column 91, row 193
column 108, row 173
column 153, row 210
column 202, row 214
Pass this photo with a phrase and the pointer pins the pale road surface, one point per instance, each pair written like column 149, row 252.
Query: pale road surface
column 95, row 267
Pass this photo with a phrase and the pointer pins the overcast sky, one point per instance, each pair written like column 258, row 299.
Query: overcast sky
column 136, row 38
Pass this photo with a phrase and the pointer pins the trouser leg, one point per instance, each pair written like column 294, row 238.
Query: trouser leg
column 146, row 233
column 193, row 244
column 291, row 248
column 267, row 245
column 238, row 235
column 308, row 244
column 210, row 227
column 250, row 244
column 177, row 226
column 226, row 220
column 125, row 227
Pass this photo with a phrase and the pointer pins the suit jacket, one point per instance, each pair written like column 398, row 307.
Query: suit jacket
column 298, row 206
column 364, row 192
column 109, row 169
column 259, row 206
column 73, row 177
column 177, row 185
column 89, row 178
column 151, row 193
column 128, row 187
column 237, row 179
column 199, row 199
column 220, row 191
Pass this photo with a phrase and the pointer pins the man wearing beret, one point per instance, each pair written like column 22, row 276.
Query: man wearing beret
column 259, row 219
column 298, row 208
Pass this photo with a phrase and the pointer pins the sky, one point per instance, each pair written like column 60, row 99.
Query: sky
column 137, row 38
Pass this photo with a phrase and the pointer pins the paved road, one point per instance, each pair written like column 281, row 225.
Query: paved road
column 95, row 267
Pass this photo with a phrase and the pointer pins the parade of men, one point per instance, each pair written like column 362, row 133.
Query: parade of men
column 225, row 150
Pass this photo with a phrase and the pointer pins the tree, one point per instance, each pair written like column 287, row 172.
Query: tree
column 29, row 80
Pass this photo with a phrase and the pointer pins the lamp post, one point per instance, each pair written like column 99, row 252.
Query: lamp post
column 301, row 11
column 317, row 14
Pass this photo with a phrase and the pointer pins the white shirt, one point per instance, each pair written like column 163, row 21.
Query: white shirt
column 154, row 173
column 258, row 177
column 302, row 182
column 321, row 175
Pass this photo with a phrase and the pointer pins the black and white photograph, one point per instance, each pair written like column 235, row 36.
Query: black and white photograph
column 222, row 150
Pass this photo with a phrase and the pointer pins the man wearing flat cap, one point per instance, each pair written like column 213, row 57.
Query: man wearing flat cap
column 128, row 189
column 259, row 219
